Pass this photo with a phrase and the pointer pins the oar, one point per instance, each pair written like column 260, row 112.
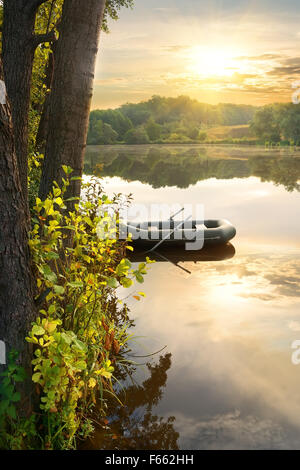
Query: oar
column 175, row 264
column 169, row 234
column 172, row 216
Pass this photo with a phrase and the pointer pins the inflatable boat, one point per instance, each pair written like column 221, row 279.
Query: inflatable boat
column 176, row 232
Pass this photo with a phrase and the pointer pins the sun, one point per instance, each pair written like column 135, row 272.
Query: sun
column 210, row 62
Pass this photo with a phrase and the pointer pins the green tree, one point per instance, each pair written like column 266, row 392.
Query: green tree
column 202, row 136
column 109, row 136
column 95, row 133
column 265, row 125
column 153, row 130
column 136, row 136
column 289, row 121
column 193, row 133
column 137, row 113
column 118, row 122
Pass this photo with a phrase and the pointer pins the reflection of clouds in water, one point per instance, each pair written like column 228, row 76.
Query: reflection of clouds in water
column 238, row 268
column 258, row 295
column 230, row 332
column 256, row 276
column 286, row 285
column 294, row 325
column 230, row 431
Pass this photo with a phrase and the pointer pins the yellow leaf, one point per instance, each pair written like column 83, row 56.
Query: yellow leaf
column 106, row 374
column 50, row 326
column 92, row 382
column 59, row 201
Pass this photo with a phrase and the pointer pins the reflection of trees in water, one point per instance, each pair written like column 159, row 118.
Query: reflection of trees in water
column 134, row 426
column 281, row 171
column 163, row 167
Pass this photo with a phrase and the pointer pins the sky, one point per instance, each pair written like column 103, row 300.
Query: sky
column 228, row 51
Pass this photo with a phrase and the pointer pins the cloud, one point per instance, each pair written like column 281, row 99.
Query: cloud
column 269, row 57
column 285, row 71
column 262, row 57
column 148, row 43
column 176, row 48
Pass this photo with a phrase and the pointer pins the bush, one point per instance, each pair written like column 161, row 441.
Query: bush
column 80, row 333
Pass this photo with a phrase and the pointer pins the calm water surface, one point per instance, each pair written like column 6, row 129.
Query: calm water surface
column 225, row 379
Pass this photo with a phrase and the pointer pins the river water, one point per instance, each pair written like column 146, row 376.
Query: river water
column 228, row 320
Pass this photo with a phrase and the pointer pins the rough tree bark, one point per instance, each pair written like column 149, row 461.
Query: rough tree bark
column 17, row 309
column 43, row 125
column 72, row 89
column 19, row 44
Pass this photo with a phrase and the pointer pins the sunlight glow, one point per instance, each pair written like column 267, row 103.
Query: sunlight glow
column 214, row 62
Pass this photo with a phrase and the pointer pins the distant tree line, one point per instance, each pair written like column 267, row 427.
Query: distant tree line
column 162, row 120
column 277, row 123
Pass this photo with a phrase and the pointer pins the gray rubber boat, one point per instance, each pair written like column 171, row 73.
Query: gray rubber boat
column 174, row 232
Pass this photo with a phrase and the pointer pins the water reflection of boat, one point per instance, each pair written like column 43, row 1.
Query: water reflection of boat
column 175, row 255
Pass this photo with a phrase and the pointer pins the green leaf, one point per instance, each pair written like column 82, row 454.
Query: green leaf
column 36, row 377
column 20, row 375
column 139, row 277
column 79, row 345
column 11, row 411
column 49, row 274
column 112, row 282
column 16, row 397
column 67, row 338
column 80, row 365
column 52, row 309
column 52, row 255
column 75, row 178
column 126, row 282
column 3, row 406
column 68, row 170
column 37, row 330
column 75, row 284
column 59, row 290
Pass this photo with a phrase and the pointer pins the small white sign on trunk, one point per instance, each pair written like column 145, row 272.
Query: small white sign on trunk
column 2, row 353
column 2, row 92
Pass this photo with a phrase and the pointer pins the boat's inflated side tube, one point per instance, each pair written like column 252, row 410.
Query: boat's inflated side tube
column 218, row 231
column 214, row 231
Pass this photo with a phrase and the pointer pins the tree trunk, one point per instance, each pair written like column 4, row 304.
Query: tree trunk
column 72, row 89
column 18, row 54
column 19, row 44
column 43, row 125
column 17, row 309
